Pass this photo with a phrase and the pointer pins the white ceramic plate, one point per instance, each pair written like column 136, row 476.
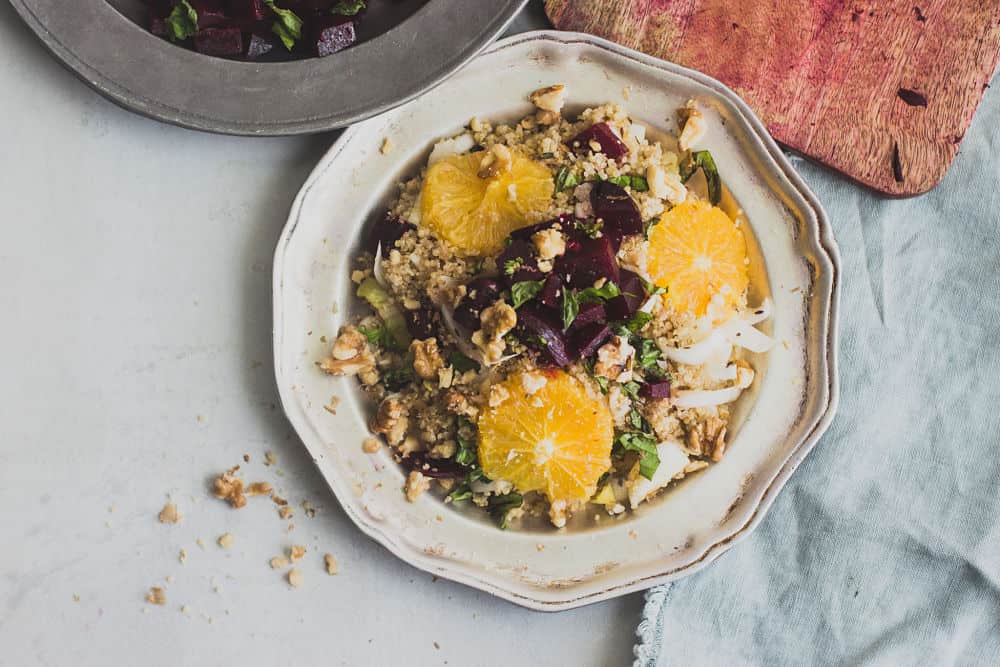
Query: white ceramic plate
column 685, row 528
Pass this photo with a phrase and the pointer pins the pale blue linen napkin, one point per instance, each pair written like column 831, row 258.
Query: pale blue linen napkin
column 884, row 547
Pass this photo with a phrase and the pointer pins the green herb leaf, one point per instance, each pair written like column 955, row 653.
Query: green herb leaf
column 570, row 307
column 646, row 445
column 703, row 160
column 648, row 225
column 524, row 291
column 634, row 324
column 512, row 265
column 288, row 27
column 500, row 506
column 348, row 7
column 634, row 181
column 608, row 290
column 397, row 378
column 566, row 179
column 592, row 228
column 182, row 22
column 652, row 288
column 462, row 363
column 648, row 355
column 460, row 492
column 632, row 389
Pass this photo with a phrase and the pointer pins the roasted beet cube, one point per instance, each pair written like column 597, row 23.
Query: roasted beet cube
column 658, row 389
column 254, row 10
column 517, row 263
column 211, row 14
column 632, row 296
column 589, row 338
column 611, row 144
column 421, row 323
column 258, row 45
column 330, row 34
column 387, row 231
column 613, row 205
column 226, row 42
column 593, row 260
column 551, row 294
column 539, row 330
column 480, row 294
column 437, row 468
column 589, row 313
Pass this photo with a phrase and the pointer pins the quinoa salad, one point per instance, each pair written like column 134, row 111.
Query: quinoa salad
column 555, row 315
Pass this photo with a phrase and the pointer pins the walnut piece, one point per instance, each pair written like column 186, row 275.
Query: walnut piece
column 229, row 487
column 296, row 552
column 170, row 514
column 351, row 354
column 259, row 489
column 391, row 420
column 549, row 243
column 278, row 562
column 416, row 484
column 496, row 161
column 226, row 540
column 156, row 595
column 295, row 577
column 456, row 403
column 370, row 445
column 551, row 98
column 331, row 564
column 614, row 360
column 427, row 359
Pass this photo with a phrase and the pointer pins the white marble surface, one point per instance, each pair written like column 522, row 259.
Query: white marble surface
column 135, row 292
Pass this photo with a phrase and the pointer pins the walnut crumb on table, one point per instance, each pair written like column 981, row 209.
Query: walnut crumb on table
column 295, row 577
column 156, row 595
column 226, row 540
column 270, row 459
column 229, row 487
column 386, row 147
column 182, row 556
column 370, row 445
column 416, row 484
column 331, row 564
column 296, row 552
column 170, row 514
column 259, row 489
column 279, row 562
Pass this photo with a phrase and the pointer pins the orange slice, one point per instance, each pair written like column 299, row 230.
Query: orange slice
column 556, row 440
column 477, row 214
column 698, row 252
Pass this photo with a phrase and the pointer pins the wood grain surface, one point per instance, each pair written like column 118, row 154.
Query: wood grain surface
column 880, row 91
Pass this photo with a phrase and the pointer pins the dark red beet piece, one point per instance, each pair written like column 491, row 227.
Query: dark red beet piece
column 330, row 34
column 613, row 205
column 539, row 330
column 659, row 389
column 421, row 323
column 588, row 339
column 480, row 294
column 590, row 313
column 219, row 42
column 520, row 254
column 210, row 14
column 257, row 46
column 594, row 259
column 632, row 296
column 437, row 468
column 551, row 294
column 387, row 231
column 254, row 10
column 602, row 133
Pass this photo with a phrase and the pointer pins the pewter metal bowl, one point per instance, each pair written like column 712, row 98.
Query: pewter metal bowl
column 406, row 48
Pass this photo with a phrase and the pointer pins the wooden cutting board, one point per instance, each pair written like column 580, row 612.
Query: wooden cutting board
column 880, row 90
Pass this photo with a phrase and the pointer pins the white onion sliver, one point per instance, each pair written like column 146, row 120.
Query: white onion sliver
column 447, row 147
column 714, row 346
column 377, row 266
column 704, row 398
column 721, row 372
column 760, row 314
column 743, row 334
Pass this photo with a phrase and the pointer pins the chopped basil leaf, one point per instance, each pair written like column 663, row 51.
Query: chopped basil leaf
column 570, row 307
column 703, row 160
column 500, row 506
column 591, row 228
column 460, row 492
column 652, row 288
column 462, row 363
column 348, row 7
column 648, row 355
column 288, row 27
column 606, row 291
column 635, row 323
column 566, row 179
column 182, row 22
column 466, row 454
column 526, row 290
column 646, row 445
column 634, row 181
column 647, row 226
column 632, row 389
column 512, row 265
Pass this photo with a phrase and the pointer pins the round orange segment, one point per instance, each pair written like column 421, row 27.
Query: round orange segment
column 556, row 440
column 697, row 252
column 477, row 214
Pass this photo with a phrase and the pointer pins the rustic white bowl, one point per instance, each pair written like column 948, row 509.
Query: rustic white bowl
column 794, row 397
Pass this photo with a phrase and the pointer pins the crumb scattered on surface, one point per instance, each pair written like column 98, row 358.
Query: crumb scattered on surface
column 156, row 595
column 295, row 577
column 285, row 512
column 634, row 535
column 308, row 508
column 386, row 147
column 296, row 552
column 331, row 564
column 229, row 487
column 226, row 540
column 279, row 562
column 416, row 484
column 185, row 609
column 200, row 542
column 259, row 489
column 76, row 598
column 278, row 500
column 540, row 547
column 182, row 556
column 270, row 459
column 170, row 514
column 370, row 445
column 246, row 458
